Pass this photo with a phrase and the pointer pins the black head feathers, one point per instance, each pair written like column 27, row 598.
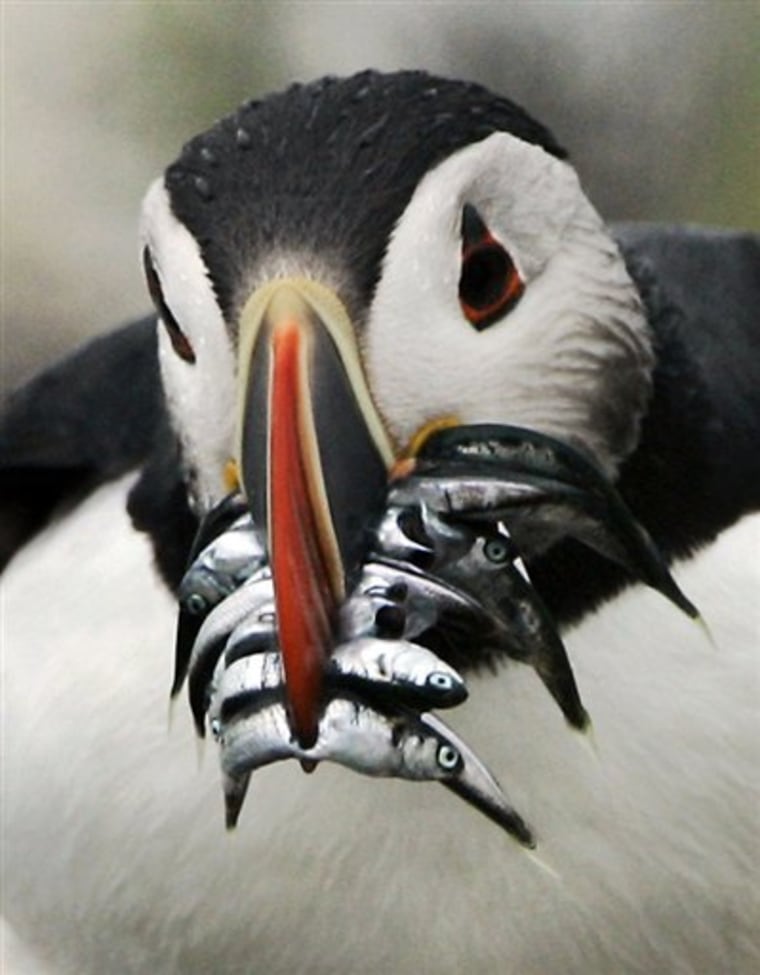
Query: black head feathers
column 331, row 165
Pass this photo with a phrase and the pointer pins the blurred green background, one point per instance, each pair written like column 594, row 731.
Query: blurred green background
column 656, row 101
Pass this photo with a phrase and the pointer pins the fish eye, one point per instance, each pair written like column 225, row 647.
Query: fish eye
column 497, row 550
column 440, row 681
column 489, row 283
column 448, row 757
column 195, row 604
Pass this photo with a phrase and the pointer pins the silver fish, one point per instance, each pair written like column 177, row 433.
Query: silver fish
column 401, row 745
column 412, row 674
column 216, row 521
column 222, row 566
column 523, row 627
column 475, row 783
column 398, row 671
column 217, row 568
column 350, row 733
column 373, row 597
column 244, row 624
column 542, row 488
column 512, row 449
column 486, row 494
column 255, row 634
column 395, row 535
column 513, row 619
column 254, row 600
column 425, row 600
column 238, row 684
column 248, row 743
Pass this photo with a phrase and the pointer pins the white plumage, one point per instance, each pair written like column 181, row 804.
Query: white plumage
column 545, row 365
column 116, row 859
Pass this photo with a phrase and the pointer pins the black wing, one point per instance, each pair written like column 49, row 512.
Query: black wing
column 88, row 419
column 81, row 422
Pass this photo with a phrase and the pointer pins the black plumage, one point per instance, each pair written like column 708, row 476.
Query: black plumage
column 83, row 421
column 331, row 166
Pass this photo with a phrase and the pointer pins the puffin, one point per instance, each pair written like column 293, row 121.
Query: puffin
column 428, row 249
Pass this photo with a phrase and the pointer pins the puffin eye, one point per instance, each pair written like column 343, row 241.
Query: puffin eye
column 180, row 342
column 489, row 284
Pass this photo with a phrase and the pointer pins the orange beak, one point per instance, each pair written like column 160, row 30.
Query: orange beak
column 314, row 462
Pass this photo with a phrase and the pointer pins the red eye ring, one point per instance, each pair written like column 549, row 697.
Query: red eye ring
column 180, row 342
column 489, row 283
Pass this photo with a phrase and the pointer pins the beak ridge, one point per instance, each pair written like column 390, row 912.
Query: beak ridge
column 314, row 462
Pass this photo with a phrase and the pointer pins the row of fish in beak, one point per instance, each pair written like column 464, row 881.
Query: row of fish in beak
column 444, row 572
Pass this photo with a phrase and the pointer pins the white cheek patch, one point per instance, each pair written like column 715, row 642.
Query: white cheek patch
column 201, row 395
column 571, row 359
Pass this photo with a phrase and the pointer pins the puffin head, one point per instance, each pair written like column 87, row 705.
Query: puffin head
column 342, row 267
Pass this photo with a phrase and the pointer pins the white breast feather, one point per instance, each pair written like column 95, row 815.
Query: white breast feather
column 116, row 859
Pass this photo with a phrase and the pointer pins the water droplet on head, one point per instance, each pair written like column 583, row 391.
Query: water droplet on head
column 203, row 188
column 209, row 156
column 371, row 133
column 442, row 119
column 243, row 138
